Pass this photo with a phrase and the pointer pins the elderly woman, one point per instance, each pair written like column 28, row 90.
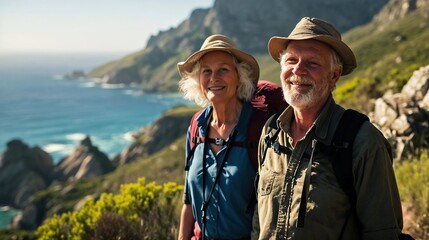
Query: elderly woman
column 219, row 180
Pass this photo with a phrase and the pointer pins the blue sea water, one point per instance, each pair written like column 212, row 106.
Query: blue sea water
column 44, row 110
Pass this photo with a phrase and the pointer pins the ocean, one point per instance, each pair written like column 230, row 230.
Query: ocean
column 42, row 109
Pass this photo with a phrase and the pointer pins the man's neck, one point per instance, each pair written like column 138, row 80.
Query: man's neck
column 302, row 122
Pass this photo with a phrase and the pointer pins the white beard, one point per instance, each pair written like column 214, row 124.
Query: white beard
column 304, row 100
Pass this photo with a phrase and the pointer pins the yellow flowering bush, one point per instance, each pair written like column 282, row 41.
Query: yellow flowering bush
column 138, row 211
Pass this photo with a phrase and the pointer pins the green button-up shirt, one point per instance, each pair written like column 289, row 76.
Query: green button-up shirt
column 329, row 212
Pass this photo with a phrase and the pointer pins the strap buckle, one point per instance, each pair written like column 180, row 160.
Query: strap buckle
column 219, row 141
column 276, row 147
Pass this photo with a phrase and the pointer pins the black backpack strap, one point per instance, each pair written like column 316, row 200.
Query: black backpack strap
column 271, row 136
column 405, row 236
column 342, row 146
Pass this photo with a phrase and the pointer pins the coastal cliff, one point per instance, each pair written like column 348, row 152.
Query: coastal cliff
column 30, row 181
column 250, row 23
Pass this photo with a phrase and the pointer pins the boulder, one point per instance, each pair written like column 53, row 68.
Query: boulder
column 404, row 117
column 85, row 162
column 23, row 172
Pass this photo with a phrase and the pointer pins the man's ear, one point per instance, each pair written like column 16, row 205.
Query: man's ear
column 335, row 76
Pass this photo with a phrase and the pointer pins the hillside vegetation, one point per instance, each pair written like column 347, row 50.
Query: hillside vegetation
column 139, row 211
column 386, row 58
column 387, row 55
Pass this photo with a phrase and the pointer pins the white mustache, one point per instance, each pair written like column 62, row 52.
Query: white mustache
column 296, row 80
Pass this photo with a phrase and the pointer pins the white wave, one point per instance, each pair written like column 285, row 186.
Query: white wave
column 54, row 147
column 112, row 144
column 108, row 86
column 88, row 85
column 76, row 137
column 129, row 136
column 96, row 80
column 134, row 92
column 5, row 208
column 129, row 92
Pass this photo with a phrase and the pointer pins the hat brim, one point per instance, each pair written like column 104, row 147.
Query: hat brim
column 277, row 44
column 186, row 66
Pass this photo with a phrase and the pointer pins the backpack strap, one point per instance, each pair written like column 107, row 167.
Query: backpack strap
column 342, row 146
column 342, row 157
column 193, row 137
column 267, row 100
column 340, row 149
column 256, row 123
column 340, row 153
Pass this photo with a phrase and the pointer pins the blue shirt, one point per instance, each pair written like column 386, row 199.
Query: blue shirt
column 226, row 213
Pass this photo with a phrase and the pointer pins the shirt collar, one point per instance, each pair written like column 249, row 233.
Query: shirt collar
column 243, row 120
column 321, row 124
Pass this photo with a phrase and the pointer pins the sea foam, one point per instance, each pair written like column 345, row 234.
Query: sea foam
column 75, row 137
column 54, row 147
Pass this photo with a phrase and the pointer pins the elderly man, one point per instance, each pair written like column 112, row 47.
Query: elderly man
column 299, row 195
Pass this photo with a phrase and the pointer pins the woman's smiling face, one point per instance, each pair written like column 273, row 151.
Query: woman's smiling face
column 218, row 77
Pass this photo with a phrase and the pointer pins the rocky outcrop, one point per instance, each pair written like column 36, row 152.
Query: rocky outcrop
column 404, row 117
column 163, row 132
column 28, row 219
column 23, row 172
column 75, row 75
column 398, row 9
column 85, row 162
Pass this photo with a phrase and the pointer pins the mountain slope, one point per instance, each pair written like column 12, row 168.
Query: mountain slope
column 388, row 50
column 249, row 22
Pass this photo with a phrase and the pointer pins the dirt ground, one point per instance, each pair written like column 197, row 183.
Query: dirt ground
column 411, row 226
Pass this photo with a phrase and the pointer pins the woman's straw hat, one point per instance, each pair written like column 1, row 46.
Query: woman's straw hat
column 219, row 42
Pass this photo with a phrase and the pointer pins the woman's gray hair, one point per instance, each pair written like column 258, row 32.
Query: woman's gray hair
column 189, row 85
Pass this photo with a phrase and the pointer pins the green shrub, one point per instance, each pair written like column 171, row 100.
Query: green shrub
column 139, row 211
column 397, row 78
column 413, row 181
column 353, row 93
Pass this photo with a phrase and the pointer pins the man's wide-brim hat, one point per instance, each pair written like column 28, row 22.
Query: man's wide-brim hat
column 313, row 28
column 219, row 42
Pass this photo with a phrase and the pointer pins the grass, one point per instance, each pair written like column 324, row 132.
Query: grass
column 413, row 181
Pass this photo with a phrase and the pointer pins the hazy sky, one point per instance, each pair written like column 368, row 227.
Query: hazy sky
column 88, row 25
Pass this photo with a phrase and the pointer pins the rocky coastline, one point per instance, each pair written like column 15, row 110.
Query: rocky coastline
column 24, row 171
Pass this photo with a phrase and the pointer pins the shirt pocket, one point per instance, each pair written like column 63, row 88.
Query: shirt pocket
column 266, row 181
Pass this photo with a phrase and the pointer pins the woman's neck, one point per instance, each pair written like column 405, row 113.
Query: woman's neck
column 226, row 114
column 223, row 121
